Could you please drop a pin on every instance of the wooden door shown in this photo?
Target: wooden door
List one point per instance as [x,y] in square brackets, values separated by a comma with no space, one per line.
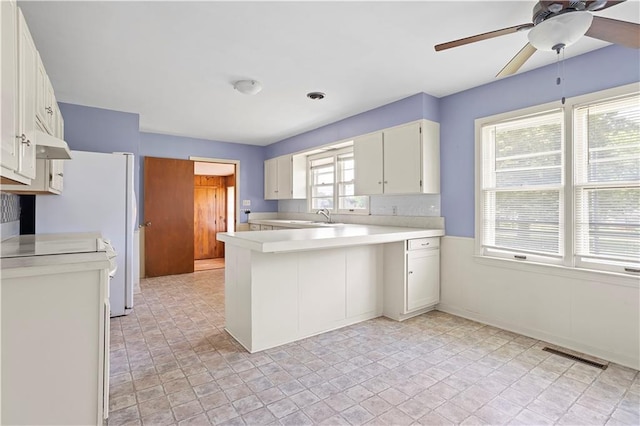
[210,216]
[168,213]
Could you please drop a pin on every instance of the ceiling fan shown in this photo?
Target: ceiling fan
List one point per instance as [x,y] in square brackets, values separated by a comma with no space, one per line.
[557,24]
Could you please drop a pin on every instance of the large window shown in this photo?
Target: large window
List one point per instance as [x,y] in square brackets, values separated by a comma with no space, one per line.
[331,186]
[562,186]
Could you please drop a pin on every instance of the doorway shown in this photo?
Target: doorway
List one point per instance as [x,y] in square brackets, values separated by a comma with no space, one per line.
[214,203]
[168,237]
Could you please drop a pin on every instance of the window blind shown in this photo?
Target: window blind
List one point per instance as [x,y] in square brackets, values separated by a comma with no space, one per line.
[607,182]
[522,185]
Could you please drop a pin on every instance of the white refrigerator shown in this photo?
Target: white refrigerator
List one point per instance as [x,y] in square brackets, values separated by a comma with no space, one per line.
[98,196]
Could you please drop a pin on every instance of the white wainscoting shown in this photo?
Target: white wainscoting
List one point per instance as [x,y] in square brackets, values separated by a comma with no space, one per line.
[588,312]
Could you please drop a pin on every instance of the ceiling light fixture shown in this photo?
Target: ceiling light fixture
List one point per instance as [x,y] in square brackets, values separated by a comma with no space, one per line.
[248,87]
[564,29]
[316,96]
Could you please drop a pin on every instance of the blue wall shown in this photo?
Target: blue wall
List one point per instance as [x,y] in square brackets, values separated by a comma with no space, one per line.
[102,130]
[95,129]
[405,110]
[597,70]
[251,162]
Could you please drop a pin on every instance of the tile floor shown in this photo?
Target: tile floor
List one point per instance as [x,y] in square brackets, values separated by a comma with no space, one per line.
[172,363]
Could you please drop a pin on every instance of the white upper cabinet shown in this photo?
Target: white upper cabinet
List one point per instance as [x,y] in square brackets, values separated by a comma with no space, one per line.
[18,97]
[285,178]
[28,105]
[46,106]
[9,157]
[367,152]
[27,67]
[400,160]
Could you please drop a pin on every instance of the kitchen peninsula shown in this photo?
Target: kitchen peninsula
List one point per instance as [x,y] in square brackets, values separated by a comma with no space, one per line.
[285,285]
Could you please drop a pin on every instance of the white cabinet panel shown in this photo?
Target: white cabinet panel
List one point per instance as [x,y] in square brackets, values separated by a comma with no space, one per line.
[49,179]
[54,335]
[402,160]
[10,144]
[27,67]
[363,279]
[367,151]
[423,279]
[411,277]
[321,289]
[285,178]
[271,179]
[399,160]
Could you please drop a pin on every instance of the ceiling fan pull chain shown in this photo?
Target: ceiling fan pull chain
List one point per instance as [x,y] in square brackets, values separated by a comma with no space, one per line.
[563,76]
[560,68]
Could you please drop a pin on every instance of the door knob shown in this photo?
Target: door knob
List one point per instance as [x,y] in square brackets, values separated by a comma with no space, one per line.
[145,224]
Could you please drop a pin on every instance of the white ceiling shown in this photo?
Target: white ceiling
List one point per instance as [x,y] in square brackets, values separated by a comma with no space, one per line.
[174,62]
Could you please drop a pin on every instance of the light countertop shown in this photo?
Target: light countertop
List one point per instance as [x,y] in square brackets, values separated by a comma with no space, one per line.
[332,236]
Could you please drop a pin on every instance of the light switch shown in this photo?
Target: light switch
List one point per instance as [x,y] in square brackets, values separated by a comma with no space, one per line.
[246,203]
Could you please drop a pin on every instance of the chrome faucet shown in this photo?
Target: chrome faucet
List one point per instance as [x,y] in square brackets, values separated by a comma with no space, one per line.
[326,213]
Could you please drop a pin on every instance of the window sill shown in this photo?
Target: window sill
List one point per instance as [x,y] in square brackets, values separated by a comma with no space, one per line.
[605,277]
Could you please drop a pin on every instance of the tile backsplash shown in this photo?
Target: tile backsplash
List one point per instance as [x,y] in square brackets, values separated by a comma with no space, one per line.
[10,211]
[383,205]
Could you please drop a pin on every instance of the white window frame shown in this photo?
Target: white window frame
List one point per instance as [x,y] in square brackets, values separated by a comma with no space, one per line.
[333,153]
[569,259]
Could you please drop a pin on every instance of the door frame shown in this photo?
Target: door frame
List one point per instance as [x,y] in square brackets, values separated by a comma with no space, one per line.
[236,163]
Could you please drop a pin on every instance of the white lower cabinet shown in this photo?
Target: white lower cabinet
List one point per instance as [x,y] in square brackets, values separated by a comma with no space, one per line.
[411,277]
[55,341]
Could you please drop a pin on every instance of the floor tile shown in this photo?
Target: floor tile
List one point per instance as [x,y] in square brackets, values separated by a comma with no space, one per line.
[173,363]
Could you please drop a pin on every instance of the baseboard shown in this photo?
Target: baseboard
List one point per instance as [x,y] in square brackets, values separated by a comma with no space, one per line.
[541,335]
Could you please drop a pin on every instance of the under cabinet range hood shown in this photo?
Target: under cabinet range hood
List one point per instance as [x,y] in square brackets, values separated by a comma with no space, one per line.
[50,147]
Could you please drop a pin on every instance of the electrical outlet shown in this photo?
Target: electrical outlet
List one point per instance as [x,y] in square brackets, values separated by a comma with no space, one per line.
[394,210]
[246,203]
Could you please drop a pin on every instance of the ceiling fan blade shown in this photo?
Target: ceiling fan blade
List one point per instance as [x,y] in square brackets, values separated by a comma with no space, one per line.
[517,61]
[483,36]
[614,31]
[598,5]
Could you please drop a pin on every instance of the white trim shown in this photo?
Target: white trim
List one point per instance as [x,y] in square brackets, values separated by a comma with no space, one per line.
[333,154]
[567,212]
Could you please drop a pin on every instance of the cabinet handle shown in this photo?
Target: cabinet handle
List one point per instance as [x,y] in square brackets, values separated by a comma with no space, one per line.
[386,181]
[61,174]
[424,244]
[24,140]
[379,182]
[49,110]
[411,272]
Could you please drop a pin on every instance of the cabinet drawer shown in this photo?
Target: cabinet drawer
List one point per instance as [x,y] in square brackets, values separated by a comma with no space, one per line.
[423,243]
[254,227]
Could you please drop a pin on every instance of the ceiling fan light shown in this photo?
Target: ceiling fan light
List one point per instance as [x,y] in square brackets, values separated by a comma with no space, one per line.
[248,87]
[566,29]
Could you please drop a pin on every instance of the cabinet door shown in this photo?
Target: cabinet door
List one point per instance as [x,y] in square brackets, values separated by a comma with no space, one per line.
[367,155]
[402,160]
[423,279]
[42,94]
[10,144]
[56,169]
[59,132]
[285,169]
[271,179]
[27,66]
